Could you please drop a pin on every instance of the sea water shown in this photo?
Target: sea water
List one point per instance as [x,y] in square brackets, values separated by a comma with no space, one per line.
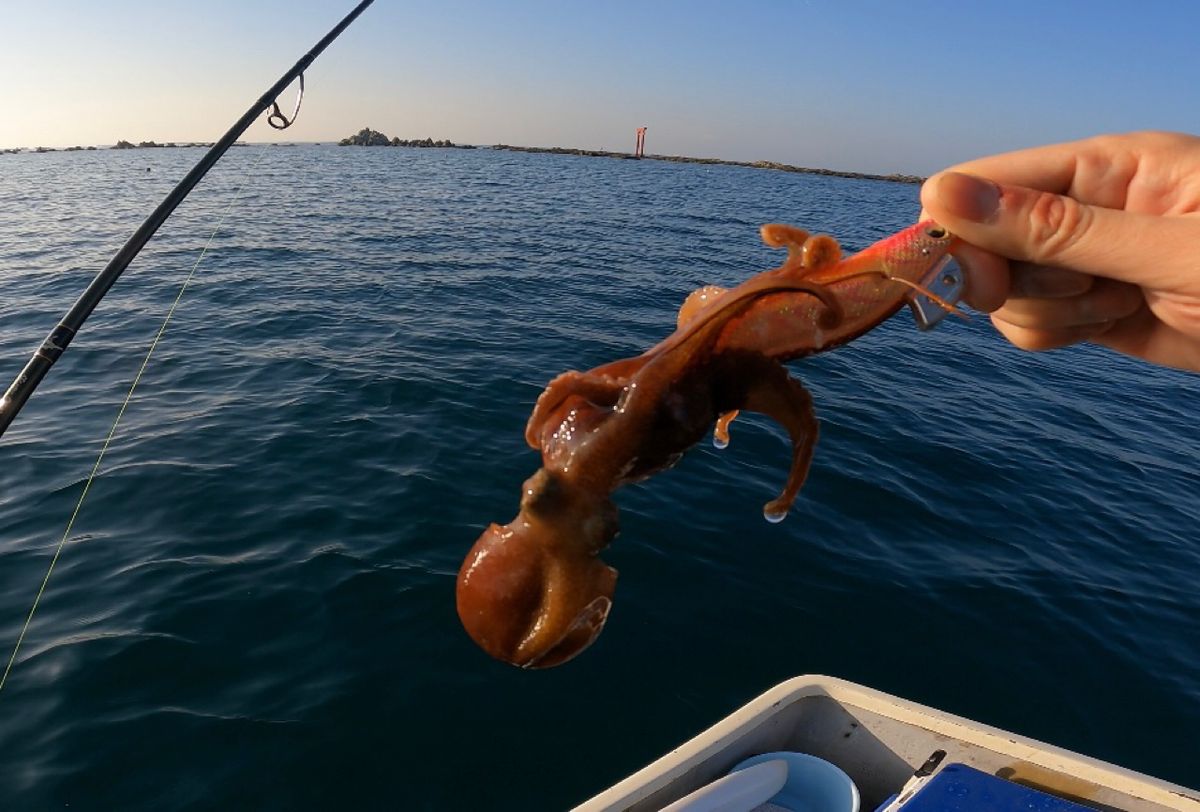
[255,608]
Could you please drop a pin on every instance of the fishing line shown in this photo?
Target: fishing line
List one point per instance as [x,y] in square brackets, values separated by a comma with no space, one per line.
[121,413]
[55,344]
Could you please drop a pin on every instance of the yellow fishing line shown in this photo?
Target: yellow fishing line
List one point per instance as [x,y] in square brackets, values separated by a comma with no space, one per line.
[120,413]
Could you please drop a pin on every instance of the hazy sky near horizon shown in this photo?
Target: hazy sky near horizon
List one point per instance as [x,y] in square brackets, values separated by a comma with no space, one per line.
[871,86]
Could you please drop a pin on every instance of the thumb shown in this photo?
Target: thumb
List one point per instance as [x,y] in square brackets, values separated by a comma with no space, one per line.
[1048,229]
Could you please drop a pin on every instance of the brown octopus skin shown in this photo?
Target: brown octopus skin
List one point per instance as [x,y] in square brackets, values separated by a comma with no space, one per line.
[534,592]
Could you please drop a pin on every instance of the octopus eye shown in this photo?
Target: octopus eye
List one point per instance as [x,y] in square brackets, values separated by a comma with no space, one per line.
[937,232]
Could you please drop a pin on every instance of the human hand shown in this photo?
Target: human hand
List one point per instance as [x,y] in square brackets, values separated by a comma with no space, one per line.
[1095,240]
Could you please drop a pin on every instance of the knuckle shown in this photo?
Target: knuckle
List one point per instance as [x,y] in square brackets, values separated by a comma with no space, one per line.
[1056,225]
[1109,142]
[1149,142]
[1112,142]
[1160,138]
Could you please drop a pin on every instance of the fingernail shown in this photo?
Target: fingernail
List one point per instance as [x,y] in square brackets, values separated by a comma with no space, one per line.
[967,196]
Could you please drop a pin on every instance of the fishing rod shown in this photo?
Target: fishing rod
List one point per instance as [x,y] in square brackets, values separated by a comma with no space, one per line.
[56,343]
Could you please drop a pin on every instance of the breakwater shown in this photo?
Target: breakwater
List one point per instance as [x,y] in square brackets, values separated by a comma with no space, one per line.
[684,159]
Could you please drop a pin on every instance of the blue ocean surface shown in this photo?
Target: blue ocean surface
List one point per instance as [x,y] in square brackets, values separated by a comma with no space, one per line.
[255,608]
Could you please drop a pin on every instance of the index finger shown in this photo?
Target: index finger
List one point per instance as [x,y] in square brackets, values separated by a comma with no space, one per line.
[1150,171]
[1049,168]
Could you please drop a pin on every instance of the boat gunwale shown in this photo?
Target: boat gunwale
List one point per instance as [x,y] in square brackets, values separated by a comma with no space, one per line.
[718,738]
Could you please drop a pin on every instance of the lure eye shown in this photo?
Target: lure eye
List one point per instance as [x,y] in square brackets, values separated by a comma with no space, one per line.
[937,232]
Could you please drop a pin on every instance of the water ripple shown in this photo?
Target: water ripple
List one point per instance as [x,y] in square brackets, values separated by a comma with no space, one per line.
[257,601]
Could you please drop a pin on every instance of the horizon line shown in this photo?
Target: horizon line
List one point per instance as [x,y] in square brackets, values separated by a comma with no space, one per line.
[902,177]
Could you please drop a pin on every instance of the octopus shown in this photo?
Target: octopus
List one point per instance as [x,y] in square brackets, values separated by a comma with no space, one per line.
[535,592]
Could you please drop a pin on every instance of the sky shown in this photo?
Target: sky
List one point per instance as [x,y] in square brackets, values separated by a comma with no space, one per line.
[854,85]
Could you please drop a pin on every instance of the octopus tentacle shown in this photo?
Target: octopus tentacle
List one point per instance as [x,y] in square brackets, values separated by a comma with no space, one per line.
[810,252]
[781,235]
[596,387]
[721,430]
[696,301]
[820,251]
[785,400]
[735,302]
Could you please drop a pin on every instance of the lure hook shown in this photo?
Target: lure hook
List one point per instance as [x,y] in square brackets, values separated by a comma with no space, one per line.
[277,119]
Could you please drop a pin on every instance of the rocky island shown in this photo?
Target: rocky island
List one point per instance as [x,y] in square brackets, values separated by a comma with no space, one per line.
[169,145]
[366,137]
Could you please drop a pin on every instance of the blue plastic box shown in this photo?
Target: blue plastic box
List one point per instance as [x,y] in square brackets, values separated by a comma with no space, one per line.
[959,788]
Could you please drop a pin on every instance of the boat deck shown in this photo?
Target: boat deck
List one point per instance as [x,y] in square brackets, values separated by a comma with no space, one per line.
[879,741]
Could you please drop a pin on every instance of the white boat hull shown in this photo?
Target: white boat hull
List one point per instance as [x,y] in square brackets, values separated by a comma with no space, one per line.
[879,740]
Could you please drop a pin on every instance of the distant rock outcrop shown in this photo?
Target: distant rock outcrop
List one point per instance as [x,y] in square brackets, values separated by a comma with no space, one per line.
[170,144]
[366,137]
[122,144]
